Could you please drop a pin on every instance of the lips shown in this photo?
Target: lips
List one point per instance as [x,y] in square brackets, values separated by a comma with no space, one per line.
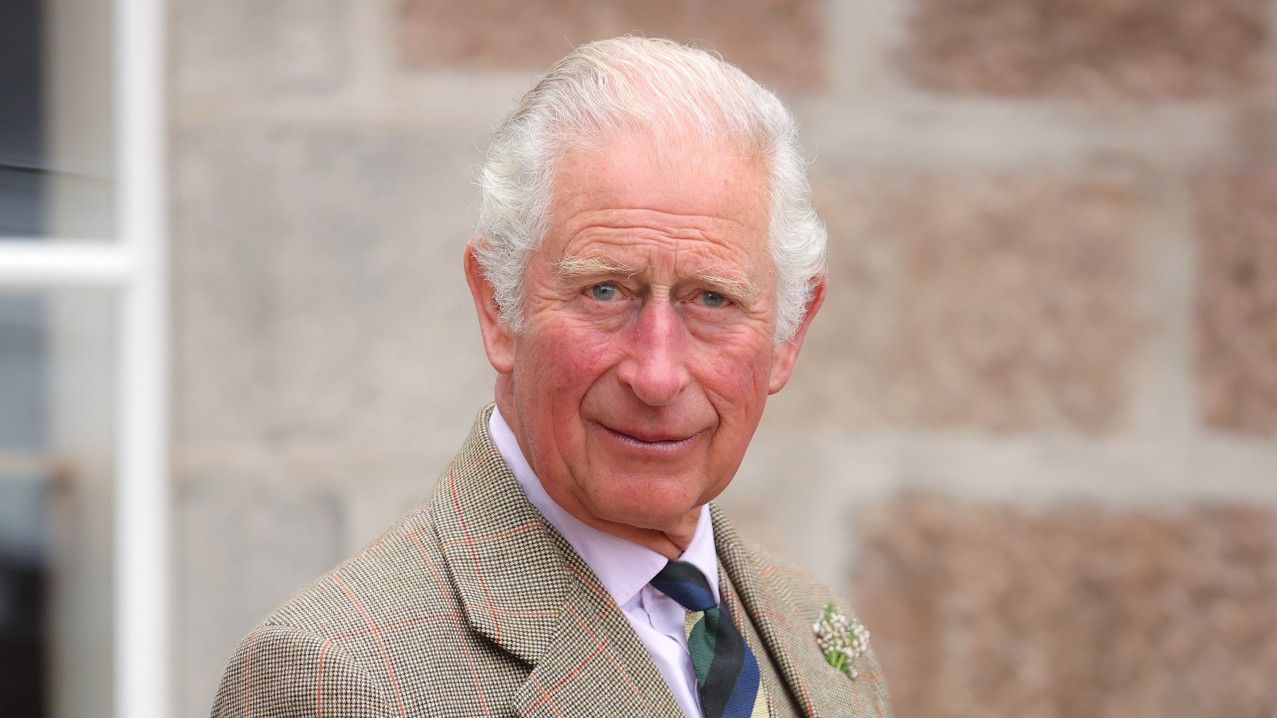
[653,439]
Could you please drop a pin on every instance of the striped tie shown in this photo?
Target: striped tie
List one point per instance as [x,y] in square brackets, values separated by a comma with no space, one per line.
[726,671]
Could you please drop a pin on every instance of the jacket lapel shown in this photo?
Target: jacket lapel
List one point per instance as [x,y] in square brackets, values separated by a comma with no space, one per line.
[595,665]
[523,587]
[786,630]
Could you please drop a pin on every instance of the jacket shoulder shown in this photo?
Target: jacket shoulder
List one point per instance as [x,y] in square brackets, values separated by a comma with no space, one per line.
[286,672]
[377,632]
[398,572]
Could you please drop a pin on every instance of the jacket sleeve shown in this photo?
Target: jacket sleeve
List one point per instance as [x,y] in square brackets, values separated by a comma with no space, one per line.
[282,672]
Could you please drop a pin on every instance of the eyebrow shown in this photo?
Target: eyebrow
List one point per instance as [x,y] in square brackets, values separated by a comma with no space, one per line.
[579,267]
[741,289]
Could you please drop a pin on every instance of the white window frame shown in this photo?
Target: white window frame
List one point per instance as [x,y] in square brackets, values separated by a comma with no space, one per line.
[133,265]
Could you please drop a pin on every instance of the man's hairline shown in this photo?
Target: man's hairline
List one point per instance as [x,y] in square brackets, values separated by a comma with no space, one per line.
[768,165]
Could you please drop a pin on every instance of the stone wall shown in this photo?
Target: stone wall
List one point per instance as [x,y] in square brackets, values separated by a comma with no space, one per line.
[1034,432]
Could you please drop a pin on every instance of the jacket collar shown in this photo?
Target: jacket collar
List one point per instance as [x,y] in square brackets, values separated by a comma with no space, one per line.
[785,625]
[524,588]
[774,613]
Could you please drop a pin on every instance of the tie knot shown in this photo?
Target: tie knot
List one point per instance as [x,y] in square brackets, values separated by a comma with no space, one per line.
[685,583]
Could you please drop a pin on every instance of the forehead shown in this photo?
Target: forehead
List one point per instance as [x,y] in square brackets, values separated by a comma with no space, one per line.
[694,183]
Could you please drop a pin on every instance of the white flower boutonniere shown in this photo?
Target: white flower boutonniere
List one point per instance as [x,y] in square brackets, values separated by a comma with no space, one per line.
[842,639]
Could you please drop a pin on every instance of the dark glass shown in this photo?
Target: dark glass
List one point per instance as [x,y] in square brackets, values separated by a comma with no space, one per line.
[56,120]
[22,156]
[57,403]
[25,572]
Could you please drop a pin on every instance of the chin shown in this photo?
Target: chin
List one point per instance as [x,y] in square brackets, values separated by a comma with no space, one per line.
[645,501]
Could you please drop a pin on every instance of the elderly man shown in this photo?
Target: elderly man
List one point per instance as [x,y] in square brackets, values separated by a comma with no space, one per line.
[646,267]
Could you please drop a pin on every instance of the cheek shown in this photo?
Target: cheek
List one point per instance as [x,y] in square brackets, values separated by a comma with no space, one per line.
[563,359]
[737,381]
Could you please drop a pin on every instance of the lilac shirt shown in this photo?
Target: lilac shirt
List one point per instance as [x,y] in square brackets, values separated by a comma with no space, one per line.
[625,569]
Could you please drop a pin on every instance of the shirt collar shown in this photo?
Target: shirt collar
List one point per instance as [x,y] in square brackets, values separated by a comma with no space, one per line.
[623,567]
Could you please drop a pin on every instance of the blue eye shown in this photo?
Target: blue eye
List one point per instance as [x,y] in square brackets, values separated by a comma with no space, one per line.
[713,300]
[605,292]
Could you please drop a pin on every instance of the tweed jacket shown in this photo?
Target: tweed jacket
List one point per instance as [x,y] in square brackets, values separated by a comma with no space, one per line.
[472,605]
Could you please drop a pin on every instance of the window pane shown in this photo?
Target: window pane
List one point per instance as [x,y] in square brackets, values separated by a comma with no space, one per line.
[57,127]
[57,373]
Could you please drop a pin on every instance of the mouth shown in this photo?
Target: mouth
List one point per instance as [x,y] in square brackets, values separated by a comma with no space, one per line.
[659,441]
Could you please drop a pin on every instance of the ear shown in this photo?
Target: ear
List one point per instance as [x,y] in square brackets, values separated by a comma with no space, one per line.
[498,340]
[785,355]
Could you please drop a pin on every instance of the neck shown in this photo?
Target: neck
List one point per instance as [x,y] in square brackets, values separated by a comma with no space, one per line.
[669,541]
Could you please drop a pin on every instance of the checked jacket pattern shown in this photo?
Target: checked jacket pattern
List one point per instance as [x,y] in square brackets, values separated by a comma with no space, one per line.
[472,605]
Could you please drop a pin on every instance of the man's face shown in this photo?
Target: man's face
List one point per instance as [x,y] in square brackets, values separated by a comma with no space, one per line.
[647,353]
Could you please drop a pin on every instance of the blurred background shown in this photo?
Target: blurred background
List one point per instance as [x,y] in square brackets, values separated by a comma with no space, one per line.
[1033,434]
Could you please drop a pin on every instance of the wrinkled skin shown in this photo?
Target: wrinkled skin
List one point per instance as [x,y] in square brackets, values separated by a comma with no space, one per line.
[646,356]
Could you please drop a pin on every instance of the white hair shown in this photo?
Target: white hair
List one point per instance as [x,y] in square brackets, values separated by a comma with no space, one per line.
[631,83]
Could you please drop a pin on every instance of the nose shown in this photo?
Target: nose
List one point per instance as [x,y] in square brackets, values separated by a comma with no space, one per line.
[655,369]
